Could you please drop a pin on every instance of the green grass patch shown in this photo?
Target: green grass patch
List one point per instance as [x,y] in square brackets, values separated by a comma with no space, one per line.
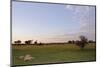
[54,53]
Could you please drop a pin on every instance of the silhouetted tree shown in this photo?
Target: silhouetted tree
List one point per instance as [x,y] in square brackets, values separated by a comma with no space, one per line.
[69,41]
[40,43]
[35,42]
[17,42]
[91,41]
[28,42]
[83,41]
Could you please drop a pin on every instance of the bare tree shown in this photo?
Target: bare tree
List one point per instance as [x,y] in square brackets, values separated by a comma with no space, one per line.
[83,41]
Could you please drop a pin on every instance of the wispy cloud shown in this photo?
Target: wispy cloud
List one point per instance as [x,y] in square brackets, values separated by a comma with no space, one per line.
[85,16]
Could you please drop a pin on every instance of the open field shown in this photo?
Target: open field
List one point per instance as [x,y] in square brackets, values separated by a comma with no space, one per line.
[54,53]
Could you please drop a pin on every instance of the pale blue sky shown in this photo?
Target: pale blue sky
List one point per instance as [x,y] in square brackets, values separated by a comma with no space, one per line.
[52,22]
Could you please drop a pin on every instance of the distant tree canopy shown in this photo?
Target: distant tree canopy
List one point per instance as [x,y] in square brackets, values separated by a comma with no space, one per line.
[83,41]
[91,41]
[17,42]
[28,42]
[71,42]
[35,42]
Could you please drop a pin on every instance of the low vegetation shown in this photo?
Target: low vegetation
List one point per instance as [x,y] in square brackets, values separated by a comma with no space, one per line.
[53,53]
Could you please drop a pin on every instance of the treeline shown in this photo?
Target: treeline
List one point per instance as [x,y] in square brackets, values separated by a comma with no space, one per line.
[30,42]
[74,41]
[27,42]
[81,43]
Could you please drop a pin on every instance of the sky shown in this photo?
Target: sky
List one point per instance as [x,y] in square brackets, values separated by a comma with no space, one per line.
[52,22]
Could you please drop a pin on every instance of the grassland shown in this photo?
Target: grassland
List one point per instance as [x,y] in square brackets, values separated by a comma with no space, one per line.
[54,53]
